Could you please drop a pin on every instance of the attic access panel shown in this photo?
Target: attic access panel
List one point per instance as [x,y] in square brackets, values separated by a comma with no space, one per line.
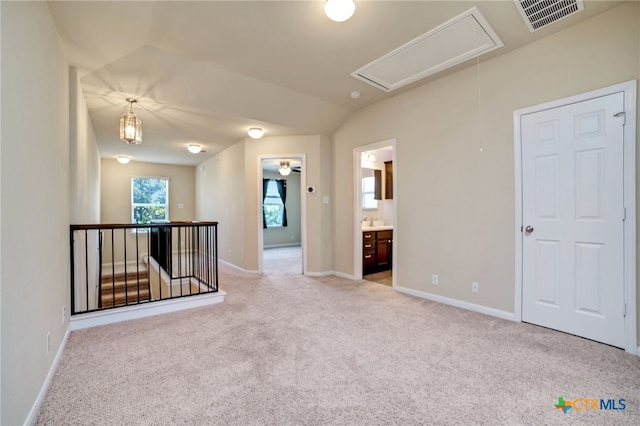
[464,37]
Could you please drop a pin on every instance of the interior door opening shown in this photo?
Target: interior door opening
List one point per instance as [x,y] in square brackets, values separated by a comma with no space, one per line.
[281,223]
[375,225]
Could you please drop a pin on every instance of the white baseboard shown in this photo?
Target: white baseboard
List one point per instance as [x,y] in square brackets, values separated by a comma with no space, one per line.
[319,274]
[35,409]
[110,316]
[343,275]
[457,303]
[237,268]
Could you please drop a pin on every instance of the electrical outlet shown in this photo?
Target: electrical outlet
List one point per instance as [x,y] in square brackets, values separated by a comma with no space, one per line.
[434,279]
[64,314]
[48,341]
[475,287]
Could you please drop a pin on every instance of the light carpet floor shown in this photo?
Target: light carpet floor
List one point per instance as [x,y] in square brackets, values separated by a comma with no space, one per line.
[285,349]
[282,260]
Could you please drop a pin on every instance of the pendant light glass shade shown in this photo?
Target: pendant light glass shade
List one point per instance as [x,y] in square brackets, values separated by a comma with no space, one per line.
[130,126]
[285,168]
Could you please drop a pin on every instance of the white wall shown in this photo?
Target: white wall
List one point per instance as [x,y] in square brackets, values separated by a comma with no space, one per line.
[84,157]
[116,200]
[220,192]
[290,234]
[116,189]
[456,204]
[227,192]
[35,202]
[84,186]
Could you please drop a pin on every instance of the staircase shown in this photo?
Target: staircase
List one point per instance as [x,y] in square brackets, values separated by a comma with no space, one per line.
[124,289]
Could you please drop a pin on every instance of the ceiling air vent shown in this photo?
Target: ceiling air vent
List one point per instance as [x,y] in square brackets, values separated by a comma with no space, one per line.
[464,37]
[540,13]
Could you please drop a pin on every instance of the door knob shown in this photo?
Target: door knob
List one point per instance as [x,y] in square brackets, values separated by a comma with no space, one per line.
[529,229]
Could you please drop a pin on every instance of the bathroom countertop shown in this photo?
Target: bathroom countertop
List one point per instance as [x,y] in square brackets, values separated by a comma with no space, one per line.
[377,228]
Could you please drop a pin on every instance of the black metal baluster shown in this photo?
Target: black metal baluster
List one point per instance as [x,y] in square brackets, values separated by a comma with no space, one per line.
[113,269]
[73,270]
[86,268]
[126,281]
[137,265]
[99,268]
[215,251]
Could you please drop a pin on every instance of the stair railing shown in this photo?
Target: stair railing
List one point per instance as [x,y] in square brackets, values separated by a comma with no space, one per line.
[116,265]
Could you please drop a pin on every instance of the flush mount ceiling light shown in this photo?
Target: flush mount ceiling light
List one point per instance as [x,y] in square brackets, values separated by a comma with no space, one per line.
[194,149]
[285,168]
[339,10]
[123,159]
[130,125]
[255,132]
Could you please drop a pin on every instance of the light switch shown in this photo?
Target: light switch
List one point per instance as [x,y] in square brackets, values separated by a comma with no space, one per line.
[325,200]
[180,205]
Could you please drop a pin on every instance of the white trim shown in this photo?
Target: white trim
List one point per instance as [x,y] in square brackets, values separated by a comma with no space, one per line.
[303,206]
[457,303]
[346,276]
[111,316]
[320,274]
[237,268]
[357,203]
[35,408]
[629,90]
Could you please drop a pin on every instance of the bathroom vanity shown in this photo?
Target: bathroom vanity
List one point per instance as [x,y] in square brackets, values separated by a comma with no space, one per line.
[376,249]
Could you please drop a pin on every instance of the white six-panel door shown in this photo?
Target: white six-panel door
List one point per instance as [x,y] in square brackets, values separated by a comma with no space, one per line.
[573,213]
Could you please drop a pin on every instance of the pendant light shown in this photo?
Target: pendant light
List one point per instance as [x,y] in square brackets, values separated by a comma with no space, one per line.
[285,168]
[130,125]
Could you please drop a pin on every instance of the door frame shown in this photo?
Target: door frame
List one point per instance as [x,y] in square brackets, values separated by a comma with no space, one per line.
[357,202]
[303,207]
[629,224]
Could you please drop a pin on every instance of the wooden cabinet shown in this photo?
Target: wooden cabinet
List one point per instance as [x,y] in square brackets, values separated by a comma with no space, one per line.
[376,251]
[388,180]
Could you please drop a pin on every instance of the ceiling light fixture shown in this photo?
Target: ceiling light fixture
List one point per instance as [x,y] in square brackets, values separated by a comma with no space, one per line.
[130,125]
[255,132]
[194,148]
[123,159]
[285,168]
[339,10]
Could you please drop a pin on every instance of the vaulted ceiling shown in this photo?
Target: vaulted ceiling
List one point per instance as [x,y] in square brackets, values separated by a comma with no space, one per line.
[204,72]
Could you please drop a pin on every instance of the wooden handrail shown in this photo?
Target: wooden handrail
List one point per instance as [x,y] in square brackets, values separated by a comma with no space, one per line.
[140,225]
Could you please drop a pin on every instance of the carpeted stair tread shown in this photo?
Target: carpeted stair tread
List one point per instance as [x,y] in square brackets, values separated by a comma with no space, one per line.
[126,289]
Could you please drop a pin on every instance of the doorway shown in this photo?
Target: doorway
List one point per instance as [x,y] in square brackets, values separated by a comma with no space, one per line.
[282,218]
[375,204]
[575,160]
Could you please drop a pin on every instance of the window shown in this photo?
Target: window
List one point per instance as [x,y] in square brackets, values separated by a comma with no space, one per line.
[273,206]
[149,199]
[369,192]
